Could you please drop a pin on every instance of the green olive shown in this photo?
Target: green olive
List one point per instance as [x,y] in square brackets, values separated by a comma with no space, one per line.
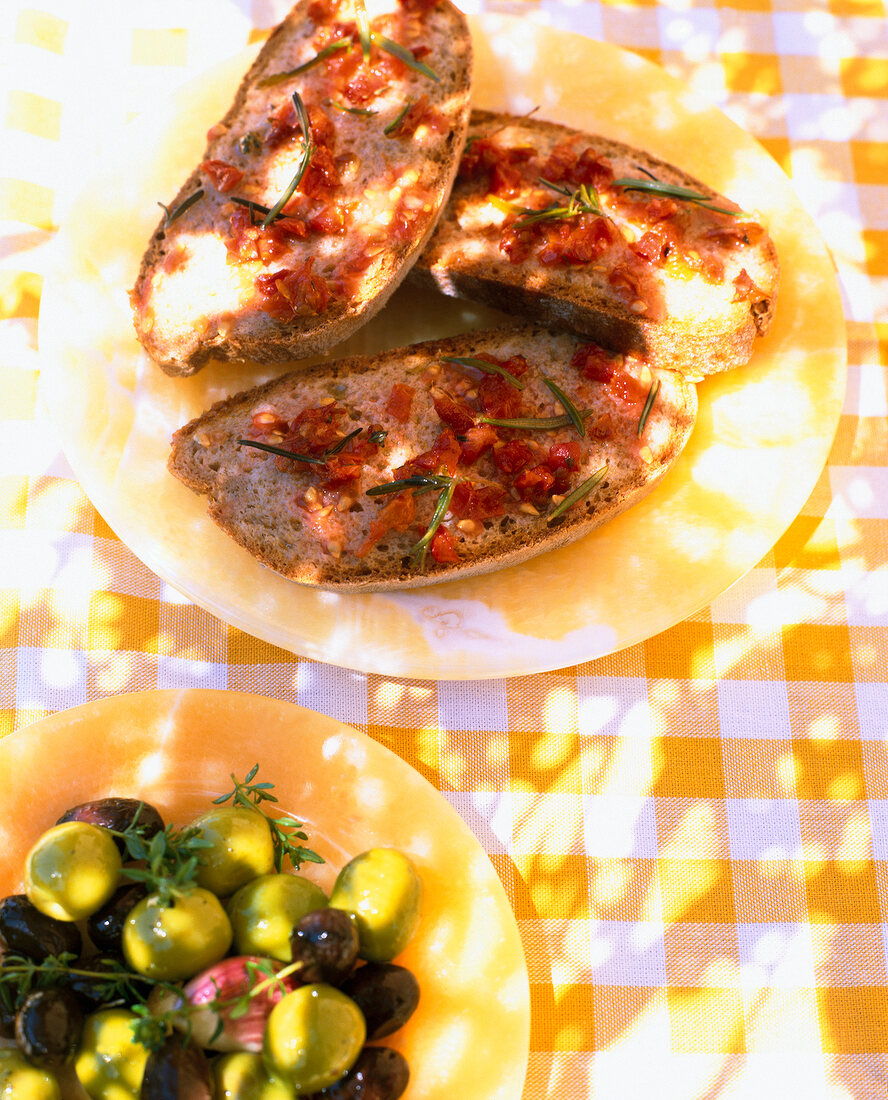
[264,911]
[19,1080]
[174,941]
[243,1075]
[110,1063]
[313,1036]
[72,870]
[240,848]
[382,892]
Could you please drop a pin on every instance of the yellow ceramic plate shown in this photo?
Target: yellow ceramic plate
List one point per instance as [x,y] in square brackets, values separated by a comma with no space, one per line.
[177,749]
[762,435]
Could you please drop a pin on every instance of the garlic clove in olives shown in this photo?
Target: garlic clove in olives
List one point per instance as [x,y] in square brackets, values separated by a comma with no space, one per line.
[314,1035]
[72,870]
[241,848]
[173,940]
[110,1063]
[264,911]
[382,892]
[19,1080]
[244,1076]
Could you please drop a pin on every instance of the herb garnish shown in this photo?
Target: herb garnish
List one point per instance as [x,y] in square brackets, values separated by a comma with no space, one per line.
[582,201]
[171,859]
[582,490]
[250,143]
[569,407]
[403,54]
[395,124]
[363,112]
[363,21]
[488,368]
[420,550]
[322,55]
[538,423]
[318,460]
[184,205]
[648,405]
[423,482]
[307,151]
[670,190]
[283,829]
[254,207]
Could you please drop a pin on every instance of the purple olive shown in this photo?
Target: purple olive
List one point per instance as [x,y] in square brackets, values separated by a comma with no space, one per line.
[326,943]
[177,1071]
[386,994]
[380,1073]
[26,931]
[117,814]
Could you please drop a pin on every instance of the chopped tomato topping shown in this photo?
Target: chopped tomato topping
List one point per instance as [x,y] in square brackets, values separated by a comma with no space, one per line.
[314,430]
[417,7]
[481,154]
[651,246]
[329,220]
[400,401]
[442,457]
[628,391]
[321,177]
[322,11]
[626,281]
[246,241]
[443,547]
[560,163]
[603,427]
[512,456]
[745,288]
[517,242]
[478,440]
[592,169]
[564,456]
[223,176]
[535,484]
[734,234]
[499,398]
[578,241]
[290,293]
[480,503]
[453,413]
[505,179]
[175,258]
[594,363]
[396,515]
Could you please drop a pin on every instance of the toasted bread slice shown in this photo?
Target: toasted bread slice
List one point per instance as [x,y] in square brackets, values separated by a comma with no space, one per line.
[418,424]
[654,273]
[227,274]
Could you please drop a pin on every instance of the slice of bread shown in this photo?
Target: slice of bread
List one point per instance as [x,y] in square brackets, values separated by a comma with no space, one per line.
[386,134]
[417,414]
[687,286]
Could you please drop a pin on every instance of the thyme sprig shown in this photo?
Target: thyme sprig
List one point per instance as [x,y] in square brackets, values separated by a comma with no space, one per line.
[673,191]
[304,160]
[184,205]
[284,829]
[488,368]
[171,859]
[581,491]
[21,976]
[648,405]
[569,407]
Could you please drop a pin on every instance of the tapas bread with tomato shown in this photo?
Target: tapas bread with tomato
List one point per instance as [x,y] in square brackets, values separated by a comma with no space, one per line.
[590,235]
[317,190]
[437,461]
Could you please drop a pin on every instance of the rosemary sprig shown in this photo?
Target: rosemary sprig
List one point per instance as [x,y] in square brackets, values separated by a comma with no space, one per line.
[403,54]
[488,368]
[569,407]
[284,829]
[270,447]
[648,405]
[322,55]
[184,205]
[423,482]
[420,551]
[307,151]
[672,191]
[363,22]
[584,200]
[253,207]
[346,439]
[581,201]
[582,490]
[363,112]
[395,124]
[535,423]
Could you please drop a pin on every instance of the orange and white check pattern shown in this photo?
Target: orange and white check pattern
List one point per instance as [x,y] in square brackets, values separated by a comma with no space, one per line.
[693,832]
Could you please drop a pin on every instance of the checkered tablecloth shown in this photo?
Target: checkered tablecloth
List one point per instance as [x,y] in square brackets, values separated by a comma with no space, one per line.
[693,832]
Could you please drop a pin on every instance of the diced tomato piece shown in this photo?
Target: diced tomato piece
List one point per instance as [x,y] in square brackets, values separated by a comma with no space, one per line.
[223,176]
[396,515]
[246,241]
[734,234]
[329,220]
[505,180]
[589,239]
[321,11]
[534,484]
[292,226]
[482,503]
[481,154]
[417,7]
[517,242]
[560,163]
[564,456]
[498,397]
[364,86]
[592,169]
[441,458]
[652,246]
[627,282]
[314,430]
[479,439]
[628,391]
[400,401]
[512,456]
[453,413]
[594,363]
[443,547]
[603,428]
[745,288]
[290,293]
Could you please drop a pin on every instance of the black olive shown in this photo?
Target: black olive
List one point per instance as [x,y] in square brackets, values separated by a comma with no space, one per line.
[48,1026]
[380,1073]
[105,926]
[326,943]
[117,814]
[177,1071]
[386,994]
[27,931]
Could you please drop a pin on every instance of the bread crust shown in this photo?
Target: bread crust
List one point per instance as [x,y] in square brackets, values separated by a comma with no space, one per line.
[277,508]
[692,324]
[205,306]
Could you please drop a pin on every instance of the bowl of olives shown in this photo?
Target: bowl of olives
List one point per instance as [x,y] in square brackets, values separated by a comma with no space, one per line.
[227,896]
